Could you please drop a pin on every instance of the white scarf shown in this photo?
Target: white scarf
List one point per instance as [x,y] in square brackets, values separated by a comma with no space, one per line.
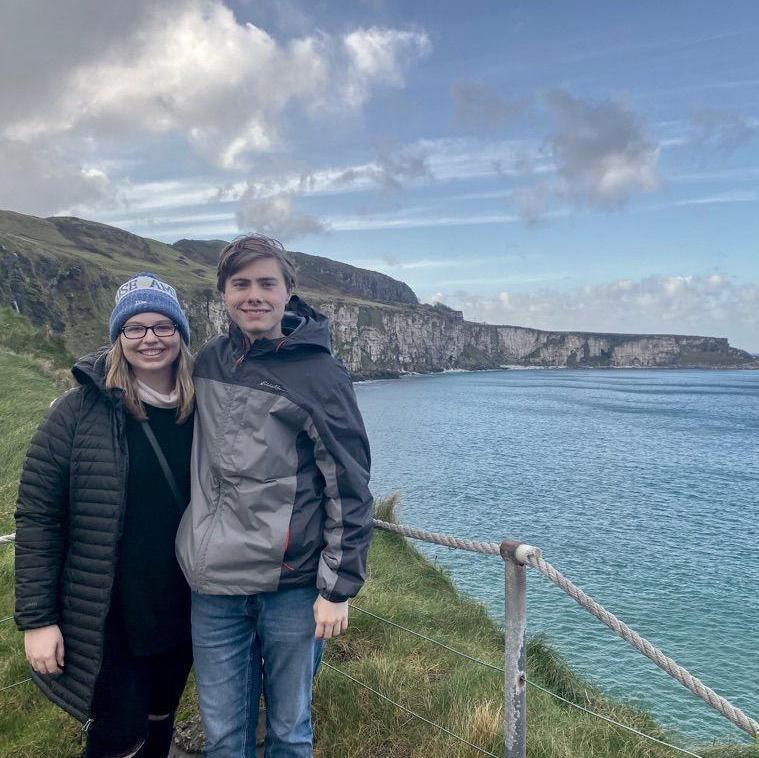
[157,399]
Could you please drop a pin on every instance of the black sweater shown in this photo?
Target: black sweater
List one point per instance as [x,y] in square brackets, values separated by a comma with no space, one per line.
[151,599]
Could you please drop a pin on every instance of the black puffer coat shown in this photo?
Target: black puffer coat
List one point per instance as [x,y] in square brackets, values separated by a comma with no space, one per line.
[68,523]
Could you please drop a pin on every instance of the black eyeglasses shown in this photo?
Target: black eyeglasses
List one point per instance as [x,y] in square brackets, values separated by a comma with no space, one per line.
[138,331]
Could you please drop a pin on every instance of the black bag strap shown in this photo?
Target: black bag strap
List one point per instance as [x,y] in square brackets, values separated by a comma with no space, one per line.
[167,472]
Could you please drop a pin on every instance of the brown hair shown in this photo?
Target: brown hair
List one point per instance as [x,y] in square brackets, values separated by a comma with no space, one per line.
[119,374]
[252,247]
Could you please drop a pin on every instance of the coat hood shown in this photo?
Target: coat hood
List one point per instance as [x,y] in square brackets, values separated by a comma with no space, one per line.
[90,369]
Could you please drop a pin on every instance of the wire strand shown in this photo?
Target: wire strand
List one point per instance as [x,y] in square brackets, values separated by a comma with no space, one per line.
[429,639]
[11,686]
[410,712]
[612,721]
[529,681]
[7,618]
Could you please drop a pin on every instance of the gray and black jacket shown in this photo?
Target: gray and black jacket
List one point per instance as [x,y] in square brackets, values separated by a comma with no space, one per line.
[280,467]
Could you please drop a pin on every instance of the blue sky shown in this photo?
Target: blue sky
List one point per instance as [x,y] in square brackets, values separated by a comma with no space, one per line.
[563,165]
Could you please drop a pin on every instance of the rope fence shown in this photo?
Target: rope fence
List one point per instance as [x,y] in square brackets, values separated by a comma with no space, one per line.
[664,662]
[537,686]
[530,556]
[437,538]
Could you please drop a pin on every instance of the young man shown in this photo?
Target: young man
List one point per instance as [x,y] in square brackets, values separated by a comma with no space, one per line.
[274,542]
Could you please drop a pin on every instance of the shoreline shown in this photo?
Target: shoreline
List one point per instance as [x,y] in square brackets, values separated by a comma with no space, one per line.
[391,375]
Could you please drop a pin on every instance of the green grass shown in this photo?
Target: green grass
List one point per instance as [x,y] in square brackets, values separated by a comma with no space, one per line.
[30,726]
[46,351]
[350,722]
[449,690]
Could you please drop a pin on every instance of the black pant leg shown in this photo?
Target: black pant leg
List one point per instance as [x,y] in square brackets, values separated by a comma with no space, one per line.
[168,674]
[121,700]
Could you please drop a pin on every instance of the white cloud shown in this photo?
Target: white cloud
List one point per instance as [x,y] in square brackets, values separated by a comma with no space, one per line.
[710,305]
[405,221]
[275,216]
[597,157]
[734,196]
[389,264]
[43,42]
[601,151]
[222,84]
[421,162]
[186,68]
[39,179]
[721,131]
[394,167]
[379,55]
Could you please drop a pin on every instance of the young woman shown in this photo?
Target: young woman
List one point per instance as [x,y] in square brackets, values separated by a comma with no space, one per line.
[99,595]
[275,539]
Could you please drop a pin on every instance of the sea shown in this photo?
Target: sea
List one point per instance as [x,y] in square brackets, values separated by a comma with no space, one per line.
[641,486]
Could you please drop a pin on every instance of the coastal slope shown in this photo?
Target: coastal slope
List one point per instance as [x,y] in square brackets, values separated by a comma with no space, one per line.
[350,721]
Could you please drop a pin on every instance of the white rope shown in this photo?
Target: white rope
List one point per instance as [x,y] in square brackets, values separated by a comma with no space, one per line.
[695,685]
[7,537]
[487,548]
[533,558]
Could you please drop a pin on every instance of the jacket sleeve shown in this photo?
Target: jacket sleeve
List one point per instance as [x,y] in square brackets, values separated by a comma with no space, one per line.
[41,513]
[343,458]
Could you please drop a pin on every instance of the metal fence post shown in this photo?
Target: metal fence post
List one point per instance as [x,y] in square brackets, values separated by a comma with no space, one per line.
[514,555]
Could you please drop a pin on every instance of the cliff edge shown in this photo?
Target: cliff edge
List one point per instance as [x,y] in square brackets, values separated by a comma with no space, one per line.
[62,272]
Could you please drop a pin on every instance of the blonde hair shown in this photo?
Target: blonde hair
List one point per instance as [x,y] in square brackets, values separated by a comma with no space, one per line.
[119,374]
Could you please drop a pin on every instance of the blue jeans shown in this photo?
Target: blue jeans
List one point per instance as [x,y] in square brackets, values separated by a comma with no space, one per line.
[242,641]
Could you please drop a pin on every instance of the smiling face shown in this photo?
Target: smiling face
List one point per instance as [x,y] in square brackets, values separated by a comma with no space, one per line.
[255,298]
[150,355]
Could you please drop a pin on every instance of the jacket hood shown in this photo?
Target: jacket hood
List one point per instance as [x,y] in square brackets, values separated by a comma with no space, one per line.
[302,326]
[90,369]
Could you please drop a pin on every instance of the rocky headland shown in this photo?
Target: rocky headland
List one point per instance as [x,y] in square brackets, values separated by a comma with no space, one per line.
[61,273]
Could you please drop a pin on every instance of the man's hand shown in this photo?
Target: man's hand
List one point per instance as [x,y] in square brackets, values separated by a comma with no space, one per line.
[331,618]
[44,649]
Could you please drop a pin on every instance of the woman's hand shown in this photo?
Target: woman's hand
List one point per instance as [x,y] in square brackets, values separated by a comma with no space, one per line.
[44,649]
[331,618]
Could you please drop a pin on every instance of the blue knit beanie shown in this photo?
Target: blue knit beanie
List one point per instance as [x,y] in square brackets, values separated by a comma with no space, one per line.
[146,293]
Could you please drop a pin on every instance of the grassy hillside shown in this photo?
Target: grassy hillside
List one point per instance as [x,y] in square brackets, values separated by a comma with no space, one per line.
[63,272]
[350,721]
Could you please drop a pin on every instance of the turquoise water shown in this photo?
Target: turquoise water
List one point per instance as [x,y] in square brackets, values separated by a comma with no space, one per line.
[640,486]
